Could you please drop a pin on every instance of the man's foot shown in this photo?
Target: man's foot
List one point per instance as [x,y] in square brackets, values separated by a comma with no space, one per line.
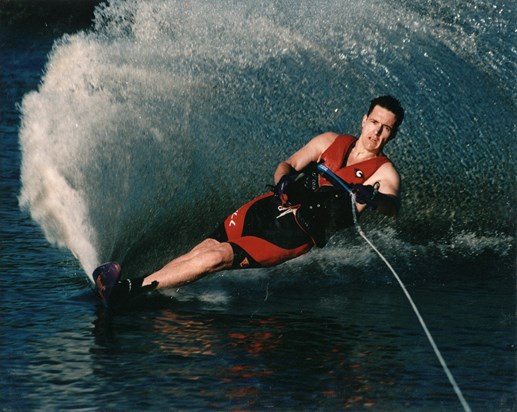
[115,292]
[107,277]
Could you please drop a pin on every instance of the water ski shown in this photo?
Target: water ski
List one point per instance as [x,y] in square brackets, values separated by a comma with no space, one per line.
[114,292]
[106,277]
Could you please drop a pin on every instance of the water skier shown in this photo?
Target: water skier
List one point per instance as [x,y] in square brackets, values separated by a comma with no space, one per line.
[301,211]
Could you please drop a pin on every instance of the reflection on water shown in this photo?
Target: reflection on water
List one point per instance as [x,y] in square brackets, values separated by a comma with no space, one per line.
[282,360]
[316,344]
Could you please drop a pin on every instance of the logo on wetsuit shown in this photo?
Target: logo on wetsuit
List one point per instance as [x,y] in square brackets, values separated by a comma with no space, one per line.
[232,222]
[359,173]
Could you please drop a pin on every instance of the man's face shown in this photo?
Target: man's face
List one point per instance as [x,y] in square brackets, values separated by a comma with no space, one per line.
[377,128]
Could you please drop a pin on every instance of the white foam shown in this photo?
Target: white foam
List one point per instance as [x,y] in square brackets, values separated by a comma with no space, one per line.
[160,115]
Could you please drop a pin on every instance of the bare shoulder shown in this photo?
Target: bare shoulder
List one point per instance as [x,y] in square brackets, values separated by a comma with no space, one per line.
[388,169]
[388,178]
[323,141]
[320,143]
[312,151]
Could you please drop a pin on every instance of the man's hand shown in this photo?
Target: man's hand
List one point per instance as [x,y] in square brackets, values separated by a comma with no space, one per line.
[289,191]
[366,194]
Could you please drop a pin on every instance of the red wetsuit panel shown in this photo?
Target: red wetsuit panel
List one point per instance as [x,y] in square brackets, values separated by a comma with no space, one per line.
[336,155]
[266,253]
[267,235]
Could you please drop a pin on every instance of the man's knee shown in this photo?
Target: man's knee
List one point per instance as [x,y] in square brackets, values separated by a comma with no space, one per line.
[219,257]
[203,247]
[209,242]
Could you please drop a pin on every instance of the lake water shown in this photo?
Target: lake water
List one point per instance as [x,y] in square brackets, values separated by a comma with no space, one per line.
[130,136]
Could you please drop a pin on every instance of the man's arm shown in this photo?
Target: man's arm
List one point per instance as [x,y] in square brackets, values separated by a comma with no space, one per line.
[388,197]
[311,152]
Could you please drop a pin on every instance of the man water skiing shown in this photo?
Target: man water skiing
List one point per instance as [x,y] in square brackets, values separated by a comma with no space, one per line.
[302,210]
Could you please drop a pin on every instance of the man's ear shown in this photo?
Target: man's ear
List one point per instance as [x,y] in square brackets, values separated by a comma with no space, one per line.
[365,117]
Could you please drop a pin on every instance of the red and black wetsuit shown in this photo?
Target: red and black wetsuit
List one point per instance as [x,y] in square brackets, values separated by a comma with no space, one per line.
[262,233]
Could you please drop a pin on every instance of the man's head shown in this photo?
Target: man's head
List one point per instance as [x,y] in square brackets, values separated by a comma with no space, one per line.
[393,105]
[381,123]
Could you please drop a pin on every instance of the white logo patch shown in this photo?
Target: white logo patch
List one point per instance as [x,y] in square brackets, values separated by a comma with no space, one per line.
[232,222]
[359,174]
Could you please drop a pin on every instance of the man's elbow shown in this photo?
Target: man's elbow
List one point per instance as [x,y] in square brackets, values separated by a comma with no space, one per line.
[389,205]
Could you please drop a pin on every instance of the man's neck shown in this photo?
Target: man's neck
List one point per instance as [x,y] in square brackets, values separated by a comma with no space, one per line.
[359,153]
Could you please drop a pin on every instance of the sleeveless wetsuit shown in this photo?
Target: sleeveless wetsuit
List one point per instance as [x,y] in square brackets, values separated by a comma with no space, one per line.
[336,156]
[262,233]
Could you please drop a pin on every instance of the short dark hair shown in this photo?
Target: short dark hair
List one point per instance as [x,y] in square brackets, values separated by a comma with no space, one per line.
[389,103]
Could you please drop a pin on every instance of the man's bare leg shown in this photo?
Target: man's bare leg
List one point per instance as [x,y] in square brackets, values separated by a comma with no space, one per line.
[208,257]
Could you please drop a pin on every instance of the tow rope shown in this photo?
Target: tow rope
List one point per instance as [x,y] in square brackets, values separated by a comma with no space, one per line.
[338,182]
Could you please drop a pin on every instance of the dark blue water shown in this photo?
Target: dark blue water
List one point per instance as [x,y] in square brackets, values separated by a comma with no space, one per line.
[131,139]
